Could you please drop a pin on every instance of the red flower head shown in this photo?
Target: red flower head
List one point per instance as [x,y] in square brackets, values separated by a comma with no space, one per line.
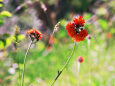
[34,34]
[71,29]
[80,37]
[80,59]
[51,41]
[75,30]
[79,21]
[109,35]
[0,80]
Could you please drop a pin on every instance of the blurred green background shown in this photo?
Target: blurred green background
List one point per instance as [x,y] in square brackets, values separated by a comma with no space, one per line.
[46,58]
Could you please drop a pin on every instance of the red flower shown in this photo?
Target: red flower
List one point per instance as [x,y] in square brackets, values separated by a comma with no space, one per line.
[51,41]
[80,37]
[75,30]
[80,59]
[34,34]
[109,35]
[71,29]
[79,21]
[0,80]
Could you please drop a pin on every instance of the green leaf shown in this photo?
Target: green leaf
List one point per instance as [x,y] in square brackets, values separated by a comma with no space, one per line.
[3,41]
[1,22]
[21,37]
[1,45]
[5,14]
[5,35]
[8,41]
[63,22]
[21,66]
[1,5]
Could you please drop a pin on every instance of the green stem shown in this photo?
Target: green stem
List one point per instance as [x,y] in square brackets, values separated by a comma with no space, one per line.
[59,72]
[22,84]
[19,70]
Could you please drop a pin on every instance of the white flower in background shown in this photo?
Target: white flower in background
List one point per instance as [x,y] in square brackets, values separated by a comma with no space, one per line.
[30,85]
[15,65]
[11,70]
[39,80]
[43,6]
[111,68]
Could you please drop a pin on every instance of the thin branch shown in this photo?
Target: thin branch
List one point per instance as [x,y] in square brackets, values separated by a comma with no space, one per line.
[59,72]
[22,84]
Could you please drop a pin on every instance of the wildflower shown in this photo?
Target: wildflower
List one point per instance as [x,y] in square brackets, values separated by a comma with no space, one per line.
[39,80]
[34,34]
[80,37]
[17,30]
[15,65]
[0,80]
[43,6]
[11,70]
[50,43]
[80,59]
[109,35]
[75,30]
[88,37]
[88,40]
[51,40]
[56,27]
[71,29]
[18,8]
[79,21]
[30,85]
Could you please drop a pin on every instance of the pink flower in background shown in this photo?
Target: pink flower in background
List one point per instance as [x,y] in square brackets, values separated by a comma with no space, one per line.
[80,59]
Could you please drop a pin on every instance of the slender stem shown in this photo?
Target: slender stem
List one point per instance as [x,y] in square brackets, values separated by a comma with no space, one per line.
[78,83]
[90,64]
[59,72]
[22,84]
[19,70]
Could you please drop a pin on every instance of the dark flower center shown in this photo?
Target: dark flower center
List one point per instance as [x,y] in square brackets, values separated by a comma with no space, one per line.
[77,28]
[34,36]
[80,60]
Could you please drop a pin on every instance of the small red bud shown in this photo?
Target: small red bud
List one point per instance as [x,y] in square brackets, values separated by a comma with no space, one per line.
[80,59]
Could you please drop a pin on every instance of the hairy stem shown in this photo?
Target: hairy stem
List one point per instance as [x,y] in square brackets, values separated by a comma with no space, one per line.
[22,84]
[19,70]
[78,70]
[59,72]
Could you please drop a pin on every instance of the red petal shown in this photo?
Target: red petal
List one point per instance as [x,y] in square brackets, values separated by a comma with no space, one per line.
[71,29]
[80,37]
[79,21]
[30,31]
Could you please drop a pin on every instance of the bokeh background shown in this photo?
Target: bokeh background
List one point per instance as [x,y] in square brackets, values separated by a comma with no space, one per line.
[49,55]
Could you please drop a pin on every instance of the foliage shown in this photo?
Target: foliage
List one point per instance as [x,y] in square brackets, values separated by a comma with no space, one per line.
[42,62]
